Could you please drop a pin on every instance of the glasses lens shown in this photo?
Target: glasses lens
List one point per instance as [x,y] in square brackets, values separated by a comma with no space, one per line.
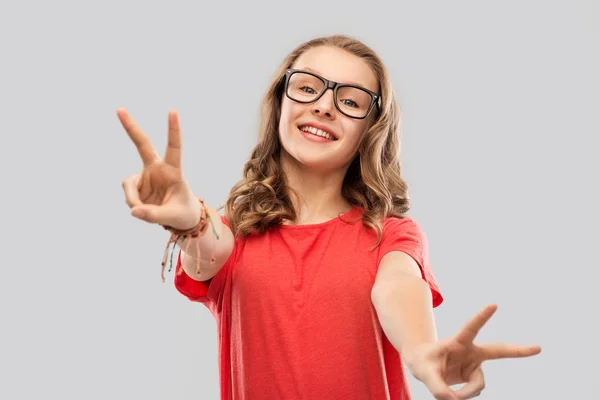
[353,101]
[304,87]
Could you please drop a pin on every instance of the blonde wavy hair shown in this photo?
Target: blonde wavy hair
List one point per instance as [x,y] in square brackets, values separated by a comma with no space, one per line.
[373,182]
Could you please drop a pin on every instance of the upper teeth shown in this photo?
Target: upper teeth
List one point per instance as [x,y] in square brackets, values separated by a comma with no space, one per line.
[317,132]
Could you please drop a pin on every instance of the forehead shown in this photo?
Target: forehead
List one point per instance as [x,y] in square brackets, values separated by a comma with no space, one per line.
[338,65]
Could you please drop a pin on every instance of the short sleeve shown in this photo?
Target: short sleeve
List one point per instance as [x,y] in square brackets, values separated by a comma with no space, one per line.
[207,292]
[405,235]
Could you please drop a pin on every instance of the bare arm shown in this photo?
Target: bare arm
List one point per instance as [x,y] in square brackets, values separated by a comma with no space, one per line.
[160,195]
[209,246]
[404,307]
[403,303]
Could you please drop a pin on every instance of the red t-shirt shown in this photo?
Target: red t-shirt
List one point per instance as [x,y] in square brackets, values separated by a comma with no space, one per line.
[294,313]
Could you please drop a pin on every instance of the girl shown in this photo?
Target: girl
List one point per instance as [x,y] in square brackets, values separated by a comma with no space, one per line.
[317,279]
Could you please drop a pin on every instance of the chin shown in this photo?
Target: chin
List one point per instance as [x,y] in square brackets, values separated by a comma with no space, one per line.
[316,165]
[319,163]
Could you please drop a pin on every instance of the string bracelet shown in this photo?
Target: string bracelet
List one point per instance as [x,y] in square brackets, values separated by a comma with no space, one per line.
[179,237]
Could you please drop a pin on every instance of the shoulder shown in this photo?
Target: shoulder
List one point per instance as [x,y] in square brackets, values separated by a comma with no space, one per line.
[390,223]
[402,232]
[390,228]
[405,225]
[400,223]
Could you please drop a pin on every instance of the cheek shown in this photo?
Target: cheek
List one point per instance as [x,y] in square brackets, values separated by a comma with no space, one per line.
[355,132]
[287,117]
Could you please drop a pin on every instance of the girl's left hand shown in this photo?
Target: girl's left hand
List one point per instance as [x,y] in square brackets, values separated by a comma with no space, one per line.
[458,360]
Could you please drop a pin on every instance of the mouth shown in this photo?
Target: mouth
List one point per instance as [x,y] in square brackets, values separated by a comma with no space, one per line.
[318,131]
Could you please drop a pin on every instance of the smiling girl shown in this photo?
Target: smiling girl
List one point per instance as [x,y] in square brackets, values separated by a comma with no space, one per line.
[319,283]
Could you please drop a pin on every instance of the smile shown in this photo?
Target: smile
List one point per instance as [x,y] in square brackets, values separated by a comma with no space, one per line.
[317,132]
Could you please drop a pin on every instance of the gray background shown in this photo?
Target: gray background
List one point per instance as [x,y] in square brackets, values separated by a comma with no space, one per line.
[500,129]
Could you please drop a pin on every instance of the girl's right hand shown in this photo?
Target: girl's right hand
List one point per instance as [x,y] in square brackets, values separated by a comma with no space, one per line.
[159,194]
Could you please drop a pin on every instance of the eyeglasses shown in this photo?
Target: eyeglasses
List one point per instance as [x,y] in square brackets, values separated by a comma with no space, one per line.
[351,100]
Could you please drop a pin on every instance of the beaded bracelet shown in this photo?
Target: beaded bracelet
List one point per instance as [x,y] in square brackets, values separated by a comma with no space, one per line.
[179,237]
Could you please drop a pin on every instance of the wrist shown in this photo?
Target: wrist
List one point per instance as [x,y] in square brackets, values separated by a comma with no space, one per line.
[194,223]
[415,355]
[196,205]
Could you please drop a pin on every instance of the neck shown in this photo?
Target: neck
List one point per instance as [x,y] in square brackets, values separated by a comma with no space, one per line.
[315,195]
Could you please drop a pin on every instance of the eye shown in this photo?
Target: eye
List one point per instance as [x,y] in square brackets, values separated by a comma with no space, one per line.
[307,89]
[349,103]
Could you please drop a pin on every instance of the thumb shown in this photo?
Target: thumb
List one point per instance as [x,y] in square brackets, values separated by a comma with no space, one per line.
[151,213]
[439,388]
[171,215]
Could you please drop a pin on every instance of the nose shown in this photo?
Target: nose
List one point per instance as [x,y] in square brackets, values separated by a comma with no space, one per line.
[325,105]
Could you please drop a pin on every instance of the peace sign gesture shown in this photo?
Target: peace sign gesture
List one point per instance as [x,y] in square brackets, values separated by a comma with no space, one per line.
[159,194]
[458,360]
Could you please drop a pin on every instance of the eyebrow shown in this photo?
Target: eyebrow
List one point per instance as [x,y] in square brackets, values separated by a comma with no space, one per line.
[346,82]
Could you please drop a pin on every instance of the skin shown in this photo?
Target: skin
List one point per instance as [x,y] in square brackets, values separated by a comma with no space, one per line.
[159,194]
[316,170]
[402,299]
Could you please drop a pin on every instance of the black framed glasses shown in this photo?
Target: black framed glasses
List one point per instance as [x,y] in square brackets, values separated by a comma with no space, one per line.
[351,100]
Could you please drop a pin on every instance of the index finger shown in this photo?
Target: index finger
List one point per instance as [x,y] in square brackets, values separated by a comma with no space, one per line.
[141,141]
[495,351]
[173,152]
[471,329]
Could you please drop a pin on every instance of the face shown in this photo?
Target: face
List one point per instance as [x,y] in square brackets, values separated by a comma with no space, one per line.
[317,135]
